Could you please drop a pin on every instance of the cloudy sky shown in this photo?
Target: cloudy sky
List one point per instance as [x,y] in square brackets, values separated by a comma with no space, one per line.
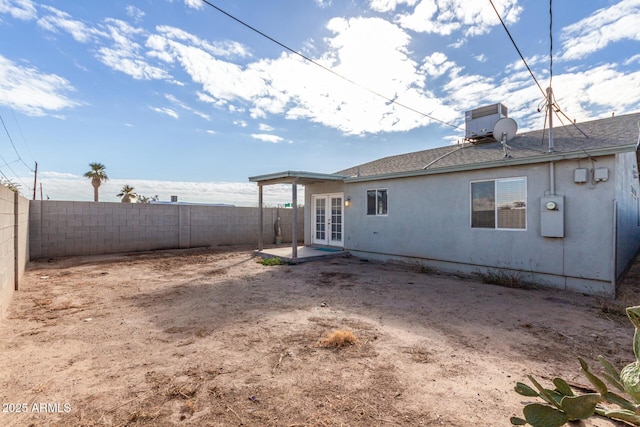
[177,98]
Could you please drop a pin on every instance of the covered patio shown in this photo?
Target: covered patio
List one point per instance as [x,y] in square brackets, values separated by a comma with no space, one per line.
[295,253]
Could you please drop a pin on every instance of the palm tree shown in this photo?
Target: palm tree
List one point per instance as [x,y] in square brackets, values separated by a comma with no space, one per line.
[127,194]
[97,175]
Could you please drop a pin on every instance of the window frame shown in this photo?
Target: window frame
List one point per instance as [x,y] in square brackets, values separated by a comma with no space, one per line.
[386,199]
[496,209]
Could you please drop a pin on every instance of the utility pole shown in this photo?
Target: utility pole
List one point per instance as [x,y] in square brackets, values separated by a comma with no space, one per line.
[35,179]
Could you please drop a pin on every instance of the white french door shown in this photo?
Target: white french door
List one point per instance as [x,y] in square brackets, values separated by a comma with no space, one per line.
[328,224]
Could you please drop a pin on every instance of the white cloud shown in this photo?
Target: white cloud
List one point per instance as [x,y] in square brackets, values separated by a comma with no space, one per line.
[597,89]
[608,25]
[135,13]
[632,59]
[375,53]
[166,34]
[19,9]
[194,4]
[580,93]
[470,16]
[372,52]
[58,20]
[168,111]
[481,58]
[518,65]
[31,91]
[389,5]
[125,54]
[438,64]
[58,175]
[203,97]
[186,107]
[220,79]
[323,3]
[266,137]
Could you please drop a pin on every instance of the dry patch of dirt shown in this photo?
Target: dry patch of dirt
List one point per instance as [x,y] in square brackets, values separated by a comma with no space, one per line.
[212,338]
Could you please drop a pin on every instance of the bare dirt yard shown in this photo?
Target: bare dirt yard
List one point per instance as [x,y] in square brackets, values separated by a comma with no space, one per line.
[213,338]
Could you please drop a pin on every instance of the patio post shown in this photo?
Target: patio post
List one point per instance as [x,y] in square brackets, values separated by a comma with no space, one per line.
[294,232]
[260,220]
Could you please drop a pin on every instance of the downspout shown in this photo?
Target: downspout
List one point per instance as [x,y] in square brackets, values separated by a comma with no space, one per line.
[614,256]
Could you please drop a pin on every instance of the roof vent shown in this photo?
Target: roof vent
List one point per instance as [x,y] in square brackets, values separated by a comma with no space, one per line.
[479,122]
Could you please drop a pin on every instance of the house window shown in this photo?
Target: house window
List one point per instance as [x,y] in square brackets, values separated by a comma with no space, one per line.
[500,203]
[377,202]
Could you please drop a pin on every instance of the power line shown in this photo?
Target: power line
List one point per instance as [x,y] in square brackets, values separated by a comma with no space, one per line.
[24,140]
[306,58]
[557,108]
[7,164]
[14,172]
[12,144]
[544,94]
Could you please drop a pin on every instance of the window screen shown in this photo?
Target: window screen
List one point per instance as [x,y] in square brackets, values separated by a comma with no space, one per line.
[501,203]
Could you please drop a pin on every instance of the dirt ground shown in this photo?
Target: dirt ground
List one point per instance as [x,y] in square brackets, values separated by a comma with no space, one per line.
[213,338]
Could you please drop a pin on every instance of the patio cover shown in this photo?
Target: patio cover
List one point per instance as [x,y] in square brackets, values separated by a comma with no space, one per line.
[294,178]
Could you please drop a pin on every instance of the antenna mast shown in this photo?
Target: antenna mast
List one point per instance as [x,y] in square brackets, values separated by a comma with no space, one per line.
[550,112]
[552,166]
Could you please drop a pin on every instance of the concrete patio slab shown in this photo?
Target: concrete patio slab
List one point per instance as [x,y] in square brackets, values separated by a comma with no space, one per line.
[305,253]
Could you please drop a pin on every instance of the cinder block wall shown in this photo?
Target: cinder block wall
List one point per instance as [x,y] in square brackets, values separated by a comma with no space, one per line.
[21,237]
[58,228]
[14,212]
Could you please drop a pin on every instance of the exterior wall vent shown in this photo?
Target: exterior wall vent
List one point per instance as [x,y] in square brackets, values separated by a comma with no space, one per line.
[479,122]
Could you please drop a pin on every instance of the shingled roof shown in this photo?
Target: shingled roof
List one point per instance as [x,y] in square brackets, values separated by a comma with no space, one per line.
[603,137]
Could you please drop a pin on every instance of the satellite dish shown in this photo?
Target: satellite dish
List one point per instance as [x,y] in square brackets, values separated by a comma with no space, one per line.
[505,125]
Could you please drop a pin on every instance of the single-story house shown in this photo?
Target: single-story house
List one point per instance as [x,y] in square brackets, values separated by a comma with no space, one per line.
[565,215]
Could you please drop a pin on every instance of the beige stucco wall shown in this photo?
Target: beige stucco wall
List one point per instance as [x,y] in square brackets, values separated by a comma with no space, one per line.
[14,211]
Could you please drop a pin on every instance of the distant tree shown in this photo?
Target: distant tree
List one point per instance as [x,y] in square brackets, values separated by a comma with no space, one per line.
[10,185]
[147,199]
[97,175]
[126,194]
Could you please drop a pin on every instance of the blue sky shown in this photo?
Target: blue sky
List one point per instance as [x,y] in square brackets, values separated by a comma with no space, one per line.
[175,98]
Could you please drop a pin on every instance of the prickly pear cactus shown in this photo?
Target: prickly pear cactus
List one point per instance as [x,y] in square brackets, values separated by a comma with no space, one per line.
[630,374]
[562,405]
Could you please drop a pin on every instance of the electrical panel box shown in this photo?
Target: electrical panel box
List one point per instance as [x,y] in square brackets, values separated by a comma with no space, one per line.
[580,176]
[552,216]
[601,174]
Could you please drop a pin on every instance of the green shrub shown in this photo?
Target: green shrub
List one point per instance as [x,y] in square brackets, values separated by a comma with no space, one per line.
[562,404]
[271,261]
